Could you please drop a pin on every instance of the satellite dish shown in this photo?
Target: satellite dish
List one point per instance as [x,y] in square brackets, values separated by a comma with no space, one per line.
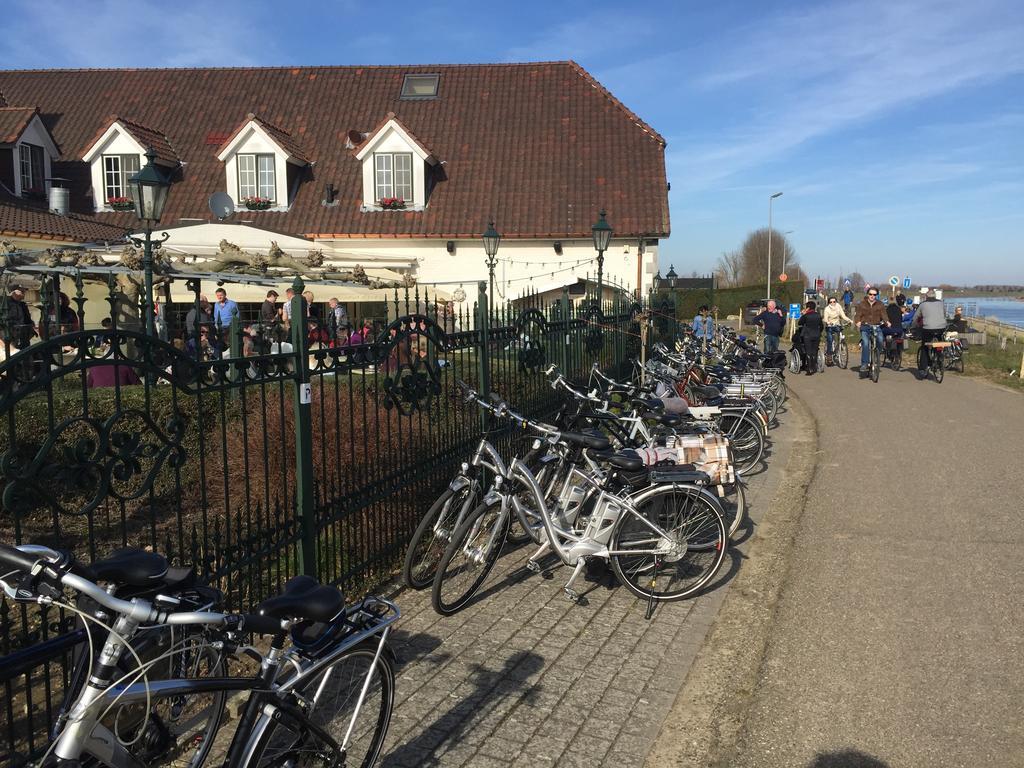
[221,205]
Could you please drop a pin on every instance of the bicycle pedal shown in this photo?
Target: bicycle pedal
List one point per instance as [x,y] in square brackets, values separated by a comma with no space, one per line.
[533,566]
[571,594]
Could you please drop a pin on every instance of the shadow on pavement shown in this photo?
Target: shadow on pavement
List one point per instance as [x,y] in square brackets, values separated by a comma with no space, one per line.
[490,687]
[848,758]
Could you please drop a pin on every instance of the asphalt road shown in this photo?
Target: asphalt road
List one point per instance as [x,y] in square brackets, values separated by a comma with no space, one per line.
[898,638]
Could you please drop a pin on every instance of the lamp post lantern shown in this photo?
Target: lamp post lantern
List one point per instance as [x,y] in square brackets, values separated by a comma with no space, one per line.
[491,242]
[768,289]
[148,189]
[602,232]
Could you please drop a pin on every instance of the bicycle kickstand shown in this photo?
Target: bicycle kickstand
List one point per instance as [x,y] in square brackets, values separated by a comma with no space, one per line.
[571,593]
[533,564]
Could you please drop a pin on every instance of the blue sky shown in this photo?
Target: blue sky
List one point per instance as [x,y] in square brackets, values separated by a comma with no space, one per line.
[894,128]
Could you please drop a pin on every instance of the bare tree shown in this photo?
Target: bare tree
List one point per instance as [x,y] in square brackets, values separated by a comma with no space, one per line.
[856,280]
[728,269]
[754,257]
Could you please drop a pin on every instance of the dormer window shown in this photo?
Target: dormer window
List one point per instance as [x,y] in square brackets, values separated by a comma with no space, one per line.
[393,175]
[256,176]
[31,165]
[117,169]
[262,162]
[116,155]
[396,167]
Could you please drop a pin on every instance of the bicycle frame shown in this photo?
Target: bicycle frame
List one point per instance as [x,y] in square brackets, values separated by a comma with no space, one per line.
[84,734]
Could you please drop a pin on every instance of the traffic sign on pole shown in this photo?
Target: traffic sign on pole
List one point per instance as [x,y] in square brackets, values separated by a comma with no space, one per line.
[906,283]
[894,281]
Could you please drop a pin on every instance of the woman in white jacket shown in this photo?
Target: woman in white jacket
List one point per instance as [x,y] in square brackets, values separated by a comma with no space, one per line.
[833,317]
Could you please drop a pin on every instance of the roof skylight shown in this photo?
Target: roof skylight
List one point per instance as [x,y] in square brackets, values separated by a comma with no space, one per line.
[420,86]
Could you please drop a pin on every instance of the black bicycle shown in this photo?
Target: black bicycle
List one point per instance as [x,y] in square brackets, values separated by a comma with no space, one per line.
[931,358]
[874,353]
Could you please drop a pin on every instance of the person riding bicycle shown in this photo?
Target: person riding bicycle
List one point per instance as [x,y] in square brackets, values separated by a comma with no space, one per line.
[931,318]
[894,311]
[870,318]
[833,317]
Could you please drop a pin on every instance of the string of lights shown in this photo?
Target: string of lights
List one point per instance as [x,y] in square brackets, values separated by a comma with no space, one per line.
[544,262]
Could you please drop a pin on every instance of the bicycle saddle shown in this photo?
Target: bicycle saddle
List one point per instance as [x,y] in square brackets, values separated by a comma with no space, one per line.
[587,441]
[304,598]
[133,568]
[627,459]
[706,392]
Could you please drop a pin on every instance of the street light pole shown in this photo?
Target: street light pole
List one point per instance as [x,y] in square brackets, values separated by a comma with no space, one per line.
[768,290]
[787,232]
[148,189]
[491,240]
[602,234]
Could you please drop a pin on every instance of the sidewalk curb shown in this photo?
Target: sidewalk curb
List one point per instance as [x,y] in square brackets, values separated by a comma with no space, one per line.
[702,727]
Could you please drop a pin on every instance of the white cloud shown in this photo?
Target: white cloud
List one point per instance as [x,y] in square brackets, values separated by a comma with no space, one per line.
[823,70]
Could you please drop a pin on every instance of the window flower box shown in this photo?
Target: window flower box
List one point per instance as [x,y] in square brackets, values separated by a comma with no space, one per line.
[392,203]
[257,203]
[121,203]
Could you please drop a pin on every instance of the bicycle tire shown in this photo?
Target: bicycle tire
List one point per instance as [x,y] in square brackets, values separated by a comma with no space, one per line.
[746,438]
[431,537]
[876,364]
[897,358]
[794,361]
[842,354]
[959,363]
[288,743]
[734,504]
[487,523]
[681,516]
[938,369]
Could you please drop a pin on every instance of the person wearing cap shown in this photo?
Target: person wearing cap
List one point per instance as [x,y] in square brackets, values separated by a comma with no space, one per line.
[268,309]
[931,319]
[20,329]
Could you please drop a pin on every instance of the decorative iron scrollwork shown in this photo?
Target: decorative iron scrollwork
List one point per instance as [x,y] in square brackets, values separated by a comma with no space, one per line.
[88,460]
[531,327]
[409,355]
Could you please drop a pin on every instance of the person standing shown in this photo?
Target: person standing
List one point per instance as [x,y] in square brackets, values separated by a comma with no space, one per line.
[703,326]
[286,309]
[870,319]
[931,317]
[337,320]
[268,309]
[224,309]
[810,325]
[847,300]
[20,329]
[833,317]
[774,323]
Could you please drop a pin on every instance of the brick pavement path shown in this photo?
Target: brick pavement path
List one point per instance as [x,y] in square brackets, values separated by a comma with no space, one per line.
[523,677]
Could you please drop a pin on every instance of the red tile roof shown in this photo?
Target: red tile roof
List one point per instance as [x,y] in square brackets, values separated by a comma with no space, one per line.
[148,138]
[19,218]
[538,147]
[14,121]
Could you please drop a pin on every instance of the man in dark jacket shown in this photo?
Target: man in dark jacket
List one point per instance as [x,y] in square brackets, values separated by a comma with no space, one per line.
[20,329]
[773,322]
[810,332]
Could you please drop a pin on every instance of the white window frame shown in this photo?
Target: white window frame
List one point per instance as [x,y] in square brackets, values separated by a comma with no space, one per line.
[121,183]
[385,176]
[263,173]
[27,169]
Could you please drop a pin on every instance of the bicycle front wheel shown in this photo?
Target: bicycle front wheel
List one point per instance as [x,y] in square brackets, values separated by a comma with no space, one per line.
[842,355]
[330,699]
[651,551]
[876,364]
[433,534]
[472,553]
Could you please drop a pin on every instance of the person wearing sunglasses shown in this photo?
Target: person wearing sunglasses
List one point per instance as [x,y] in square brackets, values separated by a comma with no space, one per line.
[834,316]
[870,318]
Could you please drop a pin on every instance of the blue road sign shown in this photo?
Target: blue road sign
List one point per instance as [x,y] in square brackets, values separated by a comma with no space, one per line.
[906,283]
[794,310]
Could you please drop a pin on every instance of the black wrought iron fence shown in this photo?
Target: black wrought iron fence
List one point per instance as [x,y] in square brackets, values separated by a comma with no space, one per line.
[253,456]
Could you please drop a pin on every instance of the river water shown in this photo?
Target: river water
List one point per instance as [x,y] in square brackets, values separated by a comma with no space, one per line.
[1008,311]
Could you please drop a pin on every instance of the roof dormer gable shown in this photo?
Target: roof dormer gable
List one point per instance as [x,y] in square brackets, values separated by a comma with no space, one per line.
[255,133]
[27,151]
[117,154]
[396,167]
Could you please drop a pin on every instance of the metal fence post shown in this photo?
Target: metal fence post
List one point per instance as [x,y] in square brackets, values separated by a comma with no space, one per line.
[483,325]
[304,500]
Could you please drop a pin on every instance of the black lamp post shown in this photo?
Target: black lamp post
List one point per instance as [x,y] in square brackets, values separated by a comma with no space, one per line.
[148,189]
[491,242]
[602,232]
[671,276]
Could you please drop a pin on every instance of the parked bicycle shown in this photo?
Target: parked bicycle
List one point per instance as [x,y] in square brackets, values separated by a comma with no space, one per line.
[323,694]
